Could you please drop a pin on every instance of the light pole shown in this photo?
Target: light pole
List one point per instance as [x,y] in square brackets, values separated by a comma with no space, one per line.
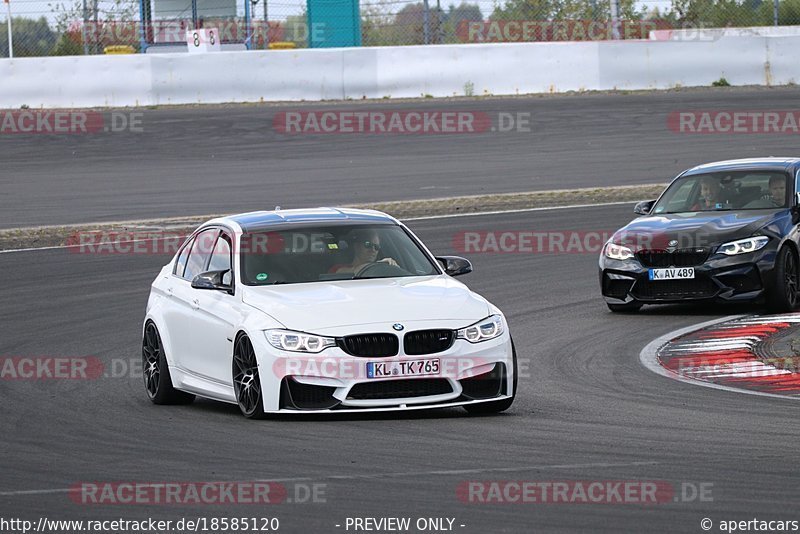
[615,34]
[10,38]
[83,30]
[266,25]
[426,22]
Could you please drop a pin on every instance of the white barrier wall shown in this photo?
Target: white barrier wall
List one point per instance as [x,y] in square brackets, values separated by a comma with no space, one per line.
[447,70]
[693,34]
[650,64]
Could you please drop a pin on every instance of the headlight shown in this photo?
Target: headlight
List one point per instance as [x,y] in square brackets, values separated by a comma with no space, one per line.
[618,252]
[298,341]
[483,330]
[743,246]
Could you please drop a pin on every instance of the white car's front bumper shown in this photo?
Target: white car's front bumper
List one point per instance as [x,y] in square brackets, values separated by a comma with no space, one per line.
[334,381]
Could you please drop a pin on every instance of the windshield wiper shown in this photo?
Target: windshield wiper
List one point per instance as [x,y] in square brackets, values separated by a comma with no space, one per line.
[379,277]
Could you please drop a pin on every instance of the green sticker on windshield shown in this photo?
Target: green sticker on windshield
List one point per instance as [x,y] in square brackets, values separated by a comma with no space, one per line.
[262,276]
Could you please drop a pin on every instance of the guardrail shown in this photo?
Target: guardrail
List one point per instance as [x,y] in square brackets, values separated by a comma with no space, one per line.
[395,72]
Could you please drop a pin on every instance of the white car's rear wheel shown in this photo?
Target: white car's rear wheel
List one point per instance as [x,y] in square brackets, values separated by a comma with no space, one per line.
[157,381]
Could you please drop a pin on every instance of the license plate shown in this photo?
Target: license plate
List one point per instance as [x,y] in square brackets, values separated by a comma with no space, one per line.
[404,368]
[677,273]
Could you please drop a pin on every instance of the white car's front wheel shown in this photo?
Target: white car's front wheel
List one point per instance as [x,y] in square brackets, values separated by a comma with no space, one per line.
[246,382]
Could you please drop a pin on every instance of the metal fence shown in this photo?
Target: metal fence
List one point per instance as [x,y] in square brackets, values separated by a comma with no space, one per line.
[75,27]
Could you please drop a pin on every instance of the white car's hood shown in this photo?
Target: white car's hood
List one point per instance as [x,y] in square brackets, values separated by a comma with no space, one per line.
[313,307]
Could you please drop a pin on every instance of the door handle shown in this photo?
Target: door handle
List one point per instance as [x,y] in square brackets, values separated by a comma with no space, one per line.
[196,304]
[169,291]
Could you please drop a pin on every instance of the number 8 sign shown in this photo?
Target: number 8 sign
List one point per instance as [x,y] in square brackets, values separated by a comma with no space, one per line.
[203,40]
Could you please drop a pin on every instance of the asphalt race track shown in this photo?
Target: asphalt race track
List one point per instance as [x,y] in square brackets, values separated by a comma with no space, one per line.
[586,408]
[202,160]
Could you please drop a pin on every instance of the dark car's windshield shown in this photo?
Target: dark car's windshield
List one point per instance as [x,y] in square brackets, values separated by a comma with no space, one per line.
[743,190]
[324,253]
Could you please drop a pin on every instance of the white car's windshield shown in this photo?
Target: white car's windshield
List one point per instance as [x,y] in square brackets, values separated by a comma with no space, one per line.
[743,190]
[325,253]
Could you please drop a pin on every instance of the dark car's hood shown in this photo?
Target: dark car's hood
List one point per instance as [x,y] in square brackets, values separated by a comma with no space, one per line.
[691,230]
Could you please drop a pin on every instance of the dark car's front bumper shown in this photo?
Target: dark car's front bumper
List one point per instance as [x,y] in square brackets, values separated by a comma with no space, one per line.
[743,277]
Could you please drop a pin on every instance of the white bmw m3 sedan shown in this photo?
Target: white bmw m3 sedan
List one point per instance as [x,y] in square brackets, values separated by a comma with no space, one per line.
[322,310]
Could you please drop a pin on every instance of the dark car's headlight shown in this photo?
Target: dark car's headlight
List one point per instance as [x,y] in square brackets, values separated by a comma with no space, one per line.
[298,341]
[617,252]
[743,246]
[483,330]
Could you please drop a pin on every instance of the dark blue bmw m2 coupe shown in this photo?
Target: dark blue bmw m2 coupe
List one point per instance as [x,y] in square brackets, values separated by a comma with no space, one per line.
[722,231]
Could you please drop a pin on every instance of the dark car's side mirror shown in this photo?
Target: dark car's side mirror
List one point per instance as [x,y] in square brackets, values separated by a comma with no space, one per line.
[643,207]
[212,280]
[796,209]
[455,265]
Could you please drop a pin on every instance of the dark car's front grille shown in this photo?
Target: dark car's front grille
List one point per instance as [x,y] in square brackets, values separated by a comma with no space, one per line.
[427,341]
[675,289]
[400,389]
[370,345]
[687,257]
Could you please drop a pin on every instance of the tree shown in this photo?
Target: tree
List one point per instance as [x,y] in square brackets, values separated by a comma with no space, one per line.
[457,17]
[409,23]
[381,27]
[714,13]
[100,25]
[464,11]
[555,10]
[31,37]
[70,43]
[788,12]
[376,23]
[732,13]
